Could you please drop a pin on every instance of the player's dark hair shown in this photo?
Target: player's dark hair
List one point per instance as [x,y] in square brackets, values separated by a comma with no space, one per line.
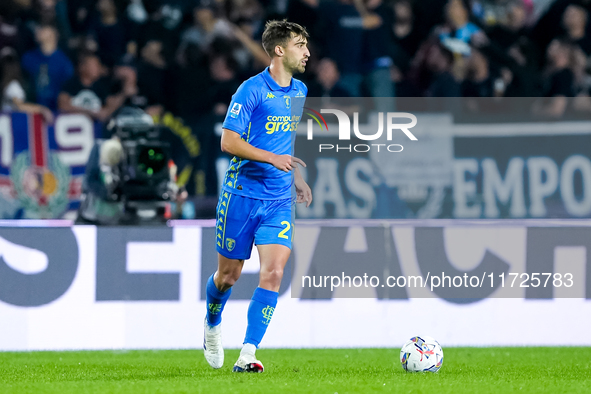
[279,33]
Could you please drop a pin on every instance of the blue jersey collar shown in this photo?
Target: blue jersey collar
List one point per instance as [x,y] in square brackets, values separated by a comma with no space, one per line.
[274,85]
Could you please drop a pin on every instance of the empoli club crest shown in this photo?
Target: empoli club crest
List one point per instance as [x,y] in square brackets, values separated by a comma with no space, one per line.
[230,244]
[268,314]
[287,101]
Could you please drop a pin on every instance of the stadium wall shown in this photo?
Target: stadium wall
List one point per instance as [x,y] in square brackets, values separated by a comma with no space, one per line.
[86,287]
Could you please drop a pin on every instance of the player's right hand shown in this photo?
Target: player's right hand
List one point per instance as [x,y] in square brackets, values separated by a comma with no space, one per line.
[286,162]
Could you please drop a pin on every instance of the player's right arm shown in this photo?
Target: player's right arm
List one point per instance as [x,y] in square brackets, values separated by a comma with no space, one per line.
[236,146]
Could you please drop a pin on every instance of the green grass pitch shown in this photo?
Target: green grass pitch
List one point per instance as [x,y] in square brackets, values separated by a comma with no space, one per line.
[465,370]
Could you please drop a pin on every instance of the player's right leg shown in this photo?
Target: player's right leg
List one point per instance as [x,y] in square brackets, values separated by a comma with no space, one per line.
[234,239]
[218,290]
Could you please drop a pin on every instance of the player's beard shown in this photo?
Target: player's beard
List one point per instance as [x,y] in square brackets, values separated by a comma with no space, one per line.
[294,66]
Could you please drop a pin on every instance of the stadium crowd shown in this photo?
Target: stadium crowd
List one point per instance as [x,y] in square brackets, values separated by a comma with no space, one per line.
[187,57]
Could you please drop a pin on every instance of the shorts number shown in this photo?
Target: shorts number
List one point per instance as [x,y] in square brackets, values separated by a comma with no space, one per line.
[286,229]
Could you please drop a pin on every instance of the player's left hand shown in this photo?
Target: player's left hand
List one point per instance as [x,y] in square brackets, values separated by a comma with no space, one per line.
[299,161]
[303,191]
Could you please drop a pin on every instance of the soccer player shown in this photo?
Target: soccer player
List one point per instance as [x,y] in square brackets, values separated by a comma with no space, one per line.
[255,205]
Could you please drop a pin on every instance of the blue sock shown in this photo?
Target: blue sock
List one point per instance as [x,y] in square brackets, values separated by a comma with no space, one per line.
[215,302]
[260,311]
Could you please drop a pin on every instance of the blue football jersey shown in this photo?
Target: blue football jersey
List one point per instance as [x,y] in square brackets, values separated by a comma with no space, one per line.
[266,116]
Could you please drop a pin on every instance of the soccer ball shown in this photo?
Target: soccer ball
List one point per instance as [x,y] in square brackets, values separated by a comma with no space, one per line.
[421,354]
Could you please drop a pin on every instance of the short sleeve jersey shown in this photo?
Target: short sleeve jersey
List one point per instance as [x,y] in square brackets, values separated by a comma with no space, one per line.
[266,116]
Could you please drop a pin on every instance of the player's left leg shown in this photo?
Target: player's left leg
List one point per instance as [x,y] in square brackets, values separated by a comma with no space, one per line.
[273,240]
[273,259]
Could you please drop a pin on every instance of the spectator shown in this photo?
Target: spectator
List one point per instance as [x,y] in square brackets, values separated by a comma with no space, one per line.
[404,43]
[126,83]
[88,92]
[405,37]
[494,12]
[513,51]
[327,79]
[372,43]
[458,31]
[222,69]
[520,69]
[163,25]
[250,53]
[574,21]
[190,76]
[79,14]
[512,28]
[244,10]
[206,27]
[152,76]
[47,67]
[224,82]
[559,82]
[478,82]
[110,32]
[215,35]
[10,26]
[582,82]
[53,12]
[83,16]
[511,47]
[339,32]
[377,61]
[440,61]
[12,94]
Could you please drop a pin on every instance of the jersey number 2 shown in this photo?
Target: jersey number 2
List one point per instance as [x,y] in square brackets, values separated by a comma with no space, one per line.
[286,229]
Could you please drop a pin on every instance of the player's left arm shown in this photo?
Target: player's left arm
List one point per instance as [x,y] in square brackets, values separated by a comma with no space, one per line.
[303,191]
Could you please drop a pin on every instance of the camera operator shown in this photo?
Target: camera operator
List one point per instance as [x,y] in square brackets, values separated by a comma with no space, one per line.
[130,177]
[101,202]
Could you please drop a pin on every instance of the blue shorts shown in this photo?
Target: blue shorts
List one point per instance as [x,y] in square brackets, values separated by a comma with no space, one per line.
[240,221]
